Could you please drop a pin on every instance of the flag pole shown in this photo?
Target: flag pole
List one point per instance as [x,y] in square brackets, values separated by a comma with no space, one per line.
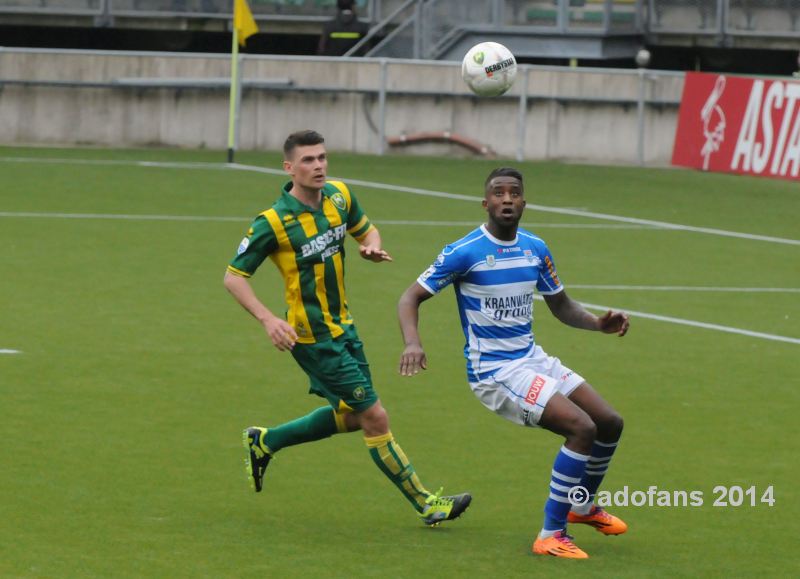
[233,94]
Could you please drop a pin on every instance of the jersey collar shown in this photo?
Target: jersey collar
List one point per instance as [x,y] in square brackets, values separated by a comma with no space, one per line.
[294,204]
[493,239]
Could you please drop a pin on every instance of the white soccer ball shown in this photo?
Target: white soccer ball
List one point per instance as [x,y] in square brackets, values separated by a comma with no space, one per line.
[489,69]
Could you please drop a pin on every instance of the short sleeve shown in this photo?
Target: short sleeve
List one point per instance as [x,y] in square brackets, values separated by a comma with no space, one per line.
[358,224]
[443,271]
[259,242]
[548,282]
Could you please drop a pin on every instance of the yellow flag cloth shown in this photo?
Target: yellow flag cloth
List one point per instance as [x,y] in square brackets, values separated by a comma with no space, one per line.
[243,21]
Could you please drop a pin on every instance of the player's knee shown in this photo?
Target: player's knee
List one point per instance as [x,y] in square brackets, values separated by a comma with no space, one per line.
[582,432]
[374,421]
[609,427]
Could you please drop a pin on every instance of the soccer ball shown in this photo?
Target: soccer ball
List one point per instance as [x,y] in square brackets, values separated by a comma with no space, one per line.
[489,69]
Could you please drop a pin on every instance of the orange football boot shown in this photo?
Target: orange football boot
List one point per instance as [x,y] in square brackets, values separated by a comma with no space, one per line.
[601,520]
[559,545]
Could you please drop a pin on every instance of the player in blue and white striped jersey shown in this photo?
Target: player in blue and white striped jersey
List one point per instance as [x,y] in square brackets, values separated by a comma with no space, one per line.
[495,271]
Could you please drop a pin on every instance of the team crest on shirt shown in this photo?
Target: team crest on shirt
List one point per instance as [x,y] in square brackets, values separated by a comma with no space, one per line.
[359,393]
[243,246]
[490,260]
[339,201]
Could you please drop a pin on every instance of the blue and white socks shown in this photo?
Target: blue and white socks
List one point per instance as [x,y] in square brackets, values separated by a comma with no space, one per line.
[596,469]
[568,471]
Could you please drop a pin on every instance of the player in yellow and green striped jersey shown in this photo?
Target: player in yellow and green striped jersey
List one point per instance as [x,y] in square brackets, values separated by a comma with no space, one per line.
[303,233]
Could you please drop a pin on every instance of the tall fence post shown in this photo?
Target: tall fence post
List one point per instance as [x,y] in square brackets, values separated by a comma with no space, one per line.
[382,106]
[640,116]
[417,50]
[522,114]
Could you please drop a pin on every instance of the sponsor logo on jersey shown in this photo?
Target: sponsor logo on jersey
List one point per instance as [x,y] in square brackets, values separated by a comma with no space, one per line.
[320,243]
[529,254]
[535,389]
[508,249]
[339,200]
[501,308]
[428,272]
[446,280]
[330,252]
[243,246]
[551,268]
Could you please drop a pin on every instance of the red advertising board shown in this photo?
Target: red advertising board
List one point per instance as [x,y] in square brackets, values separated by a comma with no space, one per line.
[743,125]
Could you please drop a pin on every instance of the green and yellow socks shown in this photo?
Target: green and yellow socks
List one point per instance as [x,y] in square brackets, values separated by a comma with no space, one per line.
[394,463]
[384,450]
[321,423]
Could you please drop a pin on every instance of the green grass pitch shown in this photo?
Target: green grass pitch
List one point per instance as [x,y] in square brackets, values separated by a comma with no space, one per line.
[121,418]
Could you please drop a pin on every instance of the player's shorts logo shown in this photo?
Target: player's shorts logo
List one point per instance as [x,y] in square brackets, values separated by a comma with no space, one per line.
[359,393]
[338,200]
[534,389]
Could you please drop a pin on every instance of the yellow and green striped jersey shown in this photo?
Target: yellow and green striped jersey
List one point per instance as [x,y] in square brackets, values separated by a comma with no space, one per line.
[307,245]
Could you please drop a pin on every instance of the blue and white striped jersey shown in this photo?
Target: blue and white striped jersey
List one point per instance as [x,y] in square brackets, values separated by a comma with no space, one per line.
[494,281]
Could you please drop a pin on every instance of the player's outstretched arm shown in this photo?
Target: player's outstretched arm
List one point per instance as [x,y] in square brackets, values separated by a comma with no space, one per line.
[279,331]
[370,247]
[571,313]
[413,357]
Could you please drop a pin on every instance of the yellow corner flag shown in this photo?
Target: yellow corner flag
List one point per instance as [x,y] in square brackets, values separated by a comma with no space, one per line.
[243,21]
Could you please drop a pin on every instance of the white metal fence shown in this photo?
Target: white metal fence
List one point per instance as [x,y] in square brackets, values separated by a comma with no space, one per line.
[360,104]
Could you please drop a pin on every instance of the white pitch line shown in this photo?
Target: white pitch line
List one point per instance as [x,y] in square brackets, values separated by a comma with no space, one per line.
[146,217]
[692,323]
[116,162]
[560,210]
[4,351]
[126,217]
[417,191]
[687,288]
[474,224]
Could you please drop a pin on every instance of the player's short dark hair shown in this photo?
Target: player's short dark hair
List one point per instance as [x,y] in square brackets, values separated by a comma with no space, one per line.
[503,172]
[301,139]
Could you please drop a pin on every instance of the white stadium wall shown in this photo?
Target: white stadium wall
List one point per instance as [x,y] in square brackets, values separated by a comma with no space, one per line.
[133,99]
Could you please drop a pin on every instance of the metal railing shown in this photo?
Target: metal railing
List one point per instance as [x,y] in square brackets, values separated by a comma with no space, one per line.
[395,96]
[223,9]
[433,23]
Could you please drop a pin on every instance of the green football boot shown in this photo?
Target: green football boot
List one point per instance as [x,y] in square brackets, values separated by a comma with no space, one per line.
[258,456]
[447,508]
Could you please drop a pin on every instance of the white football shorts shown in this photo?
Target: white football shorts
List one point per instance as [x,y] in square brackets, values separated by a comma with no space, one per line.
[519,391]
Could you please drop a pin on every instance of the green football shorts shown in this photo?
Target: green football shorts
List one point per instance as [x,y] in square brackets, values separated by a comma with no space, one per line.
[338,371]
